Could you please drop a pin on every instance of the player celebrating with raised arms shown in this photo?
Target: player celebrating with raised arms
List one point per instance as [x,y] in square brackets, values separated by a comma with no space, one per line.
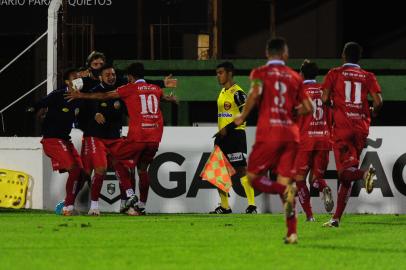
[145,117]
[277,89]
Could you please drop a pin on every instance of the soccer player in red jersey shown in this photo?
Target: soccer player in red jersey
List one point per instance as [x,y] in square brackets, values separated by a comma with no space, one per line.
[314,144]
[103,133]
[146,121]
[277,89]
[348,87]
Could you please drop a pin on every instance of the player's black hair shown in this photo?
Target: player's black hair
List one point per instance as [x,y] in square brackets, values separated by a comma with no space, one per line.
[276,45]
[309,70]
[107,66]
[352,52]
[136,70]
[82,69]
[227,65]
[93,56]
[67,72]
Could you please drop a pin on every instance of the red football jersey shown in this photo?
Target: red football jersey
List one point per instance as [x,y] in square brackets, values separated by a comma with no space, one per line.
[142,101]
[281,93]
[315,128]
[349,86]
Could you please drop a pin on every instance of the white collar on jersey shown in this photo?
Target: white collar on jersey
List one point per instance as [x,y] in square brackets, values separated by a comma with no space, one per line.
[351,65]
[140,81]
[309,81]
[275,62]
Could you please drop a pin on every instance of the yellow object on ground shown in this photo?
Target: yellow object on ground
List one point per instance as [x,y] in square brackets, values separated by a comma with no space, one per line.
[13,188]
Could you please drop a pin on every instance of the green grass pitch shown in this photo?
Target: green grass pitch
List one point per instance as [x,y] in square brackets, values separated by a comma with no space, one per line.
[42,240]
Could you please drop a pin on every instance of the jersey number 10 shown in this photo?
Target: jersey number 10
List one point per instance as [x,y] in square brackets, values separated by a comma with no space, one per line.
[149,104]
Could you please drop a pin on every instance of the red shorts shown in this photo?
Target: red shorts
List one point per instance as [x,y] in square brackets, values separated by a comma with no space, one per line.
[347,147]
[95,153]
[316,160]
[279,156]
[62,153]
[137,151]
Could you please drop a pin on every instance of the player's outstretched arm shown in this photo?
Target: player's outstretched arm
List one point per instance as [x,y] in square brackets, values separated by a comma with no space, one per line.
[253,97]
[170,98]
[72,95]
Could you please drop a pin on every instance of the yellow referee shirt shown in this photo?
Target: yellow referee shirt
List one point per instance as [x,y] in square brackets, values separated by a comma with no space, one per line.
[230,103]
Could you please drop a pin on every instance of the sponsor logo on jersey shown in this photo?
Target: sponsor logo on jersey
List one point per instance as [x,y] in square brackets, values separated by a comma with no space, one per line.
[227,105]
[225,115]
[235,157]
[117,105]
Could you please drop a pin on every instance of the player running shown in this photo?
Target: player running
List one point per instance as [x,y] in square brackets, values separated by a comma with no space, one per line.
[348,87]
[314,147]
[277,89]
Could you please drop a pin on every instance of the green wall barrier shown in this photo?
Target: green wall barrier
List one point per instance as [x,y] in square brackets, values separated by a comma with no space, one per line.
[205,87]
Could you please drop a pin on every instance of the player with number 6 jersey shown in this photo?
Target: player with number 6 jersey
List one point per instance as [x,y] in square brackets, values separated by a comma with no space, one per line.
[348,87]
[314,147]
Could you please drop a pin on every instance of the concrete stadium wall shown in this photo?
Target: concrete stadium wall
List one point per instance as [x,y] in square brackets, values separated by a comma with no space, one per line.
[177,188]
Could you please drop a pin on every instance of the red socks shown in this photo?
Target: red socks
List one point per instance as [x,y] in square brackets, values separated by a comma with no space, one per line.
[144,186]
[352,174]
[124,177]
[263,184]
[97,182]
[71,183]
[319,184]
[342,199]
[304,198]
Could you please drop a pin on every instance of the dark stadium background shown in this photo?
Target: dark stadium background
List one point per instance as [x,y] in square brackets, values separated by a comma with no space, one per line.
[314,29]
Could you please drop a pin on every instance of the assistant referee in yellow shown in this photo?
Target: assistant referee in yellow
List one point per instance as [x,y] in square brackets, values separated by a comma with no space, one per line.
[230,138]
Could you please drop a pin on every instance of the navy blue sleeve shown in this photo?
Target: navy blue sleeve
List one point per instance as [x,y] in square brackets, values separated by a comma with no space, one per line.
[46,101]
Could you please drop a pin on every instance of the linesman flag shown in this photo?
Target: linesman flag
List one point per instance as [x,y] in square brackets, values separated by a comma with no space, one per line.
[218,170]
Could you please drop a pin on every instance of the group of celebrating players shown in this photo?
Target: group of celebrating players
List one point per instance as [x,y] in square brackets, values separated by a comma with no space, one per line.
[299,122]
